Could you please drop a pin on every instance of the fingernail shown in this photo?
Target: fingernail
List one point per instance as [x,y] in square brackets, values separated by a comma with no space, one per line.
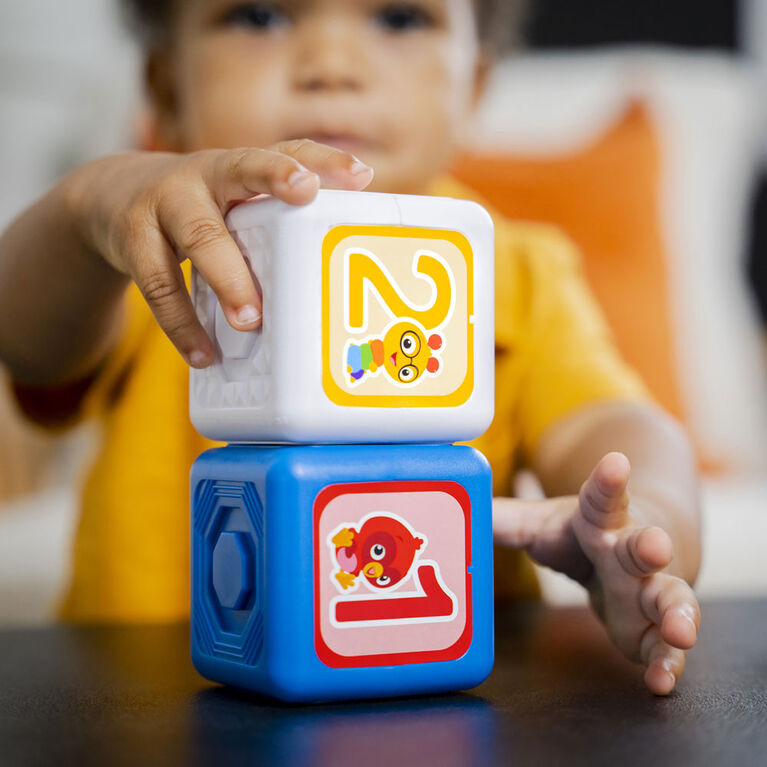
[686,611]
[199,359]
[667,667]
[299,177]
[247,315]
[358,167]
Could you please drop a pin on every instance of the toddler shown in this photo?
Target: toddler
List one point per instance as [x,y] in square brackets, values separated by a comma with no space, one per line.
[284,98]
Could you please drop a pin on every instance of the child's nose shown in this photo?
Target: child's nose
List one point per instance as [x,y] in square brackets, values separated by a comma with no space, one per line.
[329,57]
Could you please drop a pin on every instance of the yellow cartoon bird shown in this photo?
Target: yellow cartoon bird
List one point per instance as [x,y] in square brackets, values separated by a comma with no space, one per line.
[407,353]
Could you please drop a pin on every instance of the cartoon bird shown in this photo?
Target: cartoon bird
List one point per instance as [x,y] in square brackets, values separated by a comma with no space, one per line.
[382,551]
[404,352]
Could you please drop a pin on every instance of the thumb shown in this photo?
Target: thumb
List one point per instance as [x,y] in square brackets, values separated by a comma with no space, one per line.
[527,486]
[520,523]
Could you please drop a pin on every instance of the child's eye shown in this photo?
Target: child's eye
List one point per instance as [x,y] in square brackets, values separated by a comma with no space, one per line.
[402,17]
[258,16]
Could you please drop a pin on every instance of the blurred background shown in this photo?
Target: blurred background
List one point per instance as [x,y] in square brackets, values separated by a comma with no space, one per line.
[639,127]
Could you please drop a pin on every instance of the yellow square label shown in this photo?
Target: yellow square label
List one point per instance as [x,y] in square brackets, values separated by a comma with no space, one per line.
[397,317]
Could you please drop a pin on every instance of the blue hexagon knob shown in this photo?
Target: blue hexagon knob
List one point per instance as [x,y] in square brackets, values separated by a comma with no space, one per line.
[234,569]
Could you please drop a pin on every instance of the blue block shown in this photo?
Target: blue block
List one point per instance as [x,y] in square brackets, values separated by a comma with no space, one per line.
[328,572]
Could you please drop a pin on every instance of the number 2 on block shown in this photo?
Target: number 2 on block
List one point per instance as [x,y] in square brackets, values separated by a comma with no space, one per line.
[364,273]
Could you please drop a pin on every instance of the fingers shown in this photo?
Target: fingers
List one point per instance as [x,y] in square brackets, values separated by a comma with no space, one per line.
[670,603]
[236,174]
[291,170]
[198,231]
[665,663]
[337,169]
[644,550]
[156,271]
[185,213]
[603,498]
[197,228]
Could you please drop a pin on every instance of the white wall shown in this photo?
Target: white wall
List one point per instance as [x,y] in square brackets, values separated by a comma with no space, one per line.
[68,91]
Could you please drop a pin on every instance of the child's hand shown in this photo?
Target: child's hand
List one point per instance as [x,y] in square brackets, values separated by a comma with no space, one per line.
[652,616]
[146,212]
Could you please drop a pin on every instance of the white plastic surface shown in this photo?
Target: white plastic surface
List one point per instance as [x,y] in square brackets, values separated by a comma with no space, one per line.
[267,385]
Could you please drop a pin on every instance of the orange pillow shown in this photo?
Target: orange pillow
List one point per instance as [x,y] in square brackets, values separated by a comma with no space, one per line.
[606,196]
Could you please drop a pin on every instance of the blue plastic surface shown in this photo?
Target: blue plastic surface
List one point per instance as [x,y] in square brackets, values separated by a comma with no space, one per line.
[274,532]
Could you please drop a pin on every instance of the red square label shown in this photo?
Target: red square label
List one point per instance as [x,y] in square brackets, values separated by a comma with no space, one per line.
[391,573]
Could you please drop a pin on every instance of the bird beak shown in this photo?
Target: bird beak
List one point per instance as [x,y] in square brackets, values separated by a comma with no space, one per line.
[373,569]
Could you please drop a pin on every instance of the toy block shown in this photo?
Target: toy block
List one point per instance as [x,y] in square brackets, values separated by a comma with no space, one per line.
[377,323]
[331,572]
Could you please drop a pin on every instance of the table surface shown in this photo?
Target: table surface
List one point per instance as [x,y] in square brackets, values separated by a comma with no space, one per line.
[559,694]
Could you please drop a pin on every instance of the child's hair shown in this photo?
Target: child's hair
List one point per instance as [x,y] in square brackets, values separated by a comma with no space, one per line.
[499,22]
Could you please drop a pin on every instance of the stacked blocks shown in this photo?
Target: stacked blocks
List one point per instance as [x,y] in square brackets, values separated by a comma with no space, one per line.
[326,571]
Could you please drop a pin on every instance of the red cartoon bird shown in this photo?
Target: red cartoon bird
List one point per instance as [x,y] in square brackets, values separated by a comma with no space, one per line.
[383,551]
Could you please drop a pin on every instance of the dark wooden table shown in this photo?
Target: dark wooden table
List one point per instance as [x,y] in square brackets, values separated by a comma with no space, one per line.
[559,694]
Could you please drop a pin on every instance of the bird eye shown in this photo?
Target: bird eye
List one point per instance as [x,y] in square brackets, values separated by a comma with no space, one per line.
[408,373]
[410,344]
[377,551]
[383,580]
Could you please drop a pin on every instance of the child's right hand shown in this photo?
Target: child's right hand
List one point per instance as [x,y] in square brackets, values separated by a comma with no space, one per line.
[146,212]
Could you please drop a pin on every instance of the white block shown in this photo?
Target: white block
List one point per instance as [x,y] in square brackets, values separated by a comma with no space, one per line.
[354,285]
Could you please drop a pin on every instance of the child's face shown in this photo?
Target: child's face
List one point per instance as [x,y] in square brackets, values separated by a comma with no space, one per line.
[390,82]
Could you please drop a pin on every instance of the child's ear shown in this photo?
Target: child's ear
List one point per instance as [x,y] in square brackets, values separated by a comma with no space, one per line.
[479,86]
[481,77]
[159,125]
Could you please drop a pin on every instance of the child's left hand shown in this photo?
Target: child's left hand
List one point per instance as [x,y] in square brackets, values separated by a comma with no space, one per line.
[650,615]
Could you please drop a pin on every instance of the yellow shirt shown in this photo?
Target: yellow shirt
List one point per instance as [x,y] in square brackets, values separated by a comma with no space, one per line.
[131,552]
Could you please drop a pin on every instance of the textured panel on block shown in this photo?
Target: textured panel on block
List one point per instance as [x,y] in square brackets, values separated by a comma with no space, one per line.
[227,618]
